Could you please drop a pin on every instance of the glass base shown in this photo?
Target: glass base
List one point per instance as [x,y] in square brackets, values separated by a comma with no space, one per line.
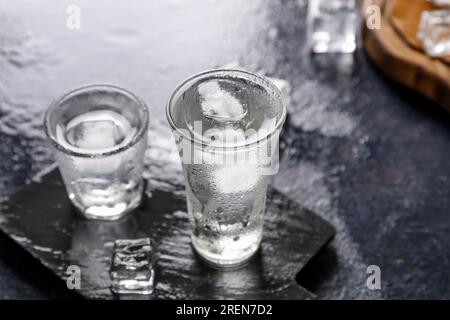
[225,262]
[108,211]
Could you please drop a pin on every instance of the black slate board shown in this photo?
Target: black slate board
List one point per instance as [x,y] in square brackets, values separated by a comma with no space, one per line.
[41,219]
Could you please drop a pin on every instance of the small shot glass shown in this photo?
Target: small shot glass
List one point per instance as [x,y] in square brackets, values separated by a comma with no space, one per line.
[98,134]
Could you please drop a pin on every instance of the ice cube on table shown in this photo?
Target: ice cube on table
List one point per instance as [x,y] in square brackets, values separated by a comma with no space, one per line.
[283,85]
[132,266]
[218,103]
[435,32]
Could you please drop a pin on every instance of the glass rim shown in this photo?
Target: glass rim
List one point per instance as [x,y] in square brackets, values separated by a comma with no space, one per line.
[57,102]
[229,72]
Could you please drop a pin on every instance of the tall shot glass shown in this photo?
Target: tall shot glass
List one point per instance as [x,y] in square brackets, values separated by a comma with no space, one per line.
[226,125]
[98,134]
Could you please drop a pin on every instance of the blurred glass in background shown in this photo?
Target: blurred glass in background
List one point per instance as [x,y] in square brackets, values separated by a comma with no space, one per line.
[332,26]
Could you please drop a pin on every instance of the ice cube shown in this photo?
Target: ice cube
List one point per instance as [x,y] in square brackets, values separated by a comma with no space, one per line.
[283,85]
[435,32]
[236,179]
[132,266]
[94,135]
[332,25]
[96,130]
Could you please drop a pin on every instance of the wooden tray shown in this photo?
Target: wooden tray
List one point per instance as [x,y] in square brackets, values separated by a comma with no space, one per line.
[397,51]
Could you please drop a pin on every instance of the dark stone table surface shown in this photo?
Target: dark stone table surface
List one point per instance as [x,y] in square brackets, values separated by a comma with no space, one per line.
[364,153]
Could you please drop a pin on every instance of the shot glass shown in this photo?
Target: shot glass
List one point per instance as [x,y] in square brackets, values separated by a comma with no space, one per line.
[332,26]
[226,125]
[98,134]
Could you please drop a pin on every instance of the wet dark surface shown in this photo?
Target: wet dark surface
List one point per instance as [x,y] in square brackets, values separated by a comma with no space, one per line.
[42,220]
[365,154]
